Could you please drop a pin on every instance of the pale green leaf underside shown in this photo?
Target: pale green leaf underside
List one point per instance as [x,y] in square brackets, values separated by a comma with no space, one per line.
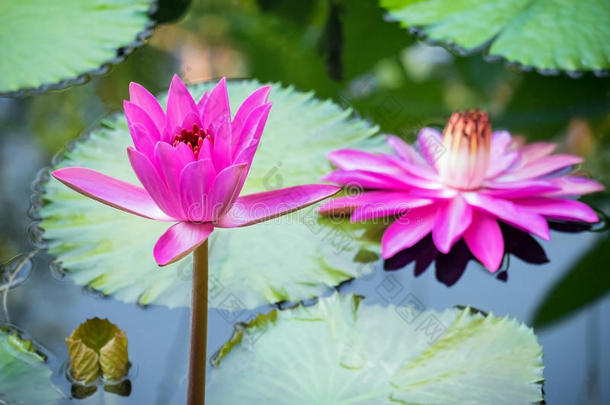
[24,376]
[50,41]
[341,352]
[290,258]
[549,35]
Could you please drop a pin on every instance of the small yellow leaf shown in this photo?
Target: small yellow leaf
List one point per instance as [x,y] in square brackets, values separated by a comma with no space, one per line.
[113,357]
[97,347]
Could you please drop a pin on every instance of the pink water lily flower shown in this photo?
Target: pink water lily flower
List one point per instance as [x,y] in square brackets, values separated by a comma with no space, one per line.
[459,184]
[192,161]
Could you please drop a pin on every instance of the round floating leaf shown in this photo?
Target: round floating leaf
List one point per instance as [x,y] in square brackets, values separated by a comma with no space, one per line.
[549,35]
[291,258]
[341,351]
[25,378]
[51,44]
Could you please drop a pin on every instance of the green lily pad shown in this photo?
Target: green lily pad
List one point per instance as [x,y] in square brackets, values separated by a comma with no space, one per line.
[288,259]
[25,378]
[51,44]
[548,35]
[342,351]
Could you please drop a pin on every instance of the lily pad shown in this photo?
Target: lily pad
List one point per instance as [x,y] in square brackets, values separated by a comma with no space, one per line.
[548,35]
[52,44]
[342,351]
[25,377]
[289,259]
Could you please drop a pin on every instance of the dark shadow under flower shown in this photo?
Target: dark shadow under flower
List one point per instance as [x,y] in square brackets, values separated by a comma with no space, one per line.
[450,267]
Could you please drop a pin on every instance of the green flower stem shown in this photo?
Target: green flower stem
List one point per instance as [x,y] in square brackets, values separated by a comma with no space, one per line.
[199,327]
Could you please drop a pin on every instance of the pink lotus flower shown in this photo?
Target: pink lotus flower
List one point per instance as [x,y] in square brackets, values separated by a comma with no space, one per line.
[192,161]
[459,185]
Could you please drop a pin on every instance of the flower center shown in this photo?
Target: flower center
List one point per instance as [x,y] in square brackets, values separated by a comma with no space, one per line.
[467,139]
[193,138]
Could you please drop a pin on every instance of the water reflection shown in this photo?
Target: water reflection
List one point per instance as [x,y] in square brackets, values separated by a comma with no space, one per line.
[450,267]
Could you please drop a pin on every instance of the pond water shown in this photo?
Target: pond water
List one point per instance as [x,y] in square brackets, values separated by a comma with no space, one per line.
[388,77]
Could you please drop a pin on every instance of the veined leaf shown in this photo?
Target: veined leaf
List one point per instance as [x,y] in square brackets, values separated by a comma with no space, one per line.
[548,35]
[51,44]
[343,351]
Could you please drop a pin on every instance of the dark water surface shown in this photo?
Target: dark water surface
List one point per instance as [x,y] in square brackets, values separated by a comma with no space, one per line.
[387,77]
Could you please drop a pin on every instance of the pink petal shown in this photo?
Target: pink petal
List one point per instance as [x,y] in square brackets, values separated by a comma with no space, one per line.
[559,208]
[111,191]
[205,152]
[180,240]
[136,116]
[251,130]
[202,102]
[226,189]
[452,220]
[363,179]
[347,204]
[431,145]
[254,208]
[153,183]
[254,100]
[405,151]
[353,159]
[501,158]
[519,189]
[189,120]
[358,180]
[415,169]
[407,230]
[217,118]
[141,97]
[142,140]
[485,241]
[541,167]
[510,213]
[217,110]
[574,185]
[179,104]
[170,161]
[387,204]
[499,164]
[246,155]
[535,151]
[500,141]
[196,180]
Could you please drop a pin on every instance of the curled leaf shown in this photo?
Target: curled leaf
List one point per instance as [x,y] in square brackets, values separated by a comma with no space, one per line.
[97,347]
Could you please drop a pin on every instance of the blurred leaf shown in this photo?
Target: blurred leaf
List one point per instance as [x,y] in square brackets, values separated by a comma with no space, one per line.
[586,282]
[52,44]
[341,351]
[25,378]
[547,34]
[368,36]
[170,10]
[291,258]
[294,57]
[97,347]
[542,106]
